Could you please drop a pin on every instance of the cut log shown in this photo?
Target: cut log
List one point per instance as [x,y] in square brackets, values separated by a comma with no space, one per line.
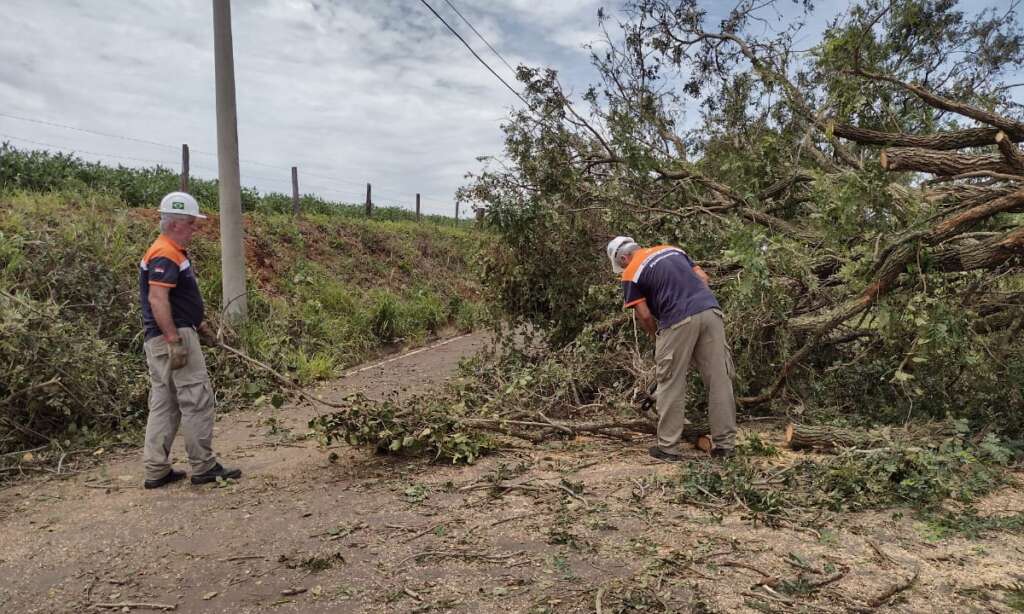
[805,437]
[704,444]
[958,139]
[830,438]
[1011,153]
[942,162]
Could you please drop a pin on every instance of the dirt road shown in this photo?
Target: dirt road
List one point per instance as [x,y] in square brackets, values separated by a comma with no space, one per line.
[578,526]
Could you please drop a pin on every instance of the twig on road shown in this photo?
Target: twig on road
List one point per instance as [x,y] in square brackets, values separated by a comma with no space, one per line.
[136,606]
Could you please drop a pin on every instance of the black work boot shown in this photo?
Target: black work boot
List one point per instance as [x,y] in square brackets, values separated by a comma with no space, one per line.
[217,471]
[662,455]
[723,453]
[172,476]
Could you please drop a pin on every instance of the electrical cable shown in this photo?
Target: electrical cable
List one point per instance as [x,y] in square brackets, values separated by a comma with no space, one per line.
[480,36]
[83,151]
[475,54]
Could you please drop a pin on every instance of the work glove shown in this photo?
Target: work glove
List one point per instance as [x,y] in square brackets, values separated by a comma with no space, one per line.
[207,336]
[178,352]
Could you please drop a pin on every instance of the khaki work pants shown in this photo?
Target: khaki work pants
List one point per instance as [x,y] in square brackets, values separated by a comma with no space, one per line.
[176,396]
[700,337]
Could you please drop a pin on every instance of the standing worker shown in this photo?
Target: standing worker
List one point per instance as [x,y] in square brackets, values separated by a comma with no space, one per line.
[672,300]
[172,314]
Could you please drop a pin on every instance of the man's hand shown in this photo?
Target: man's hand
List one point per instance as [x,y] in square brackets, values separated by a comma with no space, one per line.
[646,318]
[178,352]
[207,336]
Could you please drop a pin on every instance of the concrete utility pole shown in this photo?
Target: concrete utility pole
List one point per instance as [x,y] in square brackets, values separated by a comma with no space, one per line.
[417,207]
[231,246]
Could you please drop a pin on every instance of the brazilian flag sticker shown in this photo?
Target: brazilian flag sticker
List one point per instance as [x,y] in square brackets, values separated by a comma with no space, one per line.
[178,205]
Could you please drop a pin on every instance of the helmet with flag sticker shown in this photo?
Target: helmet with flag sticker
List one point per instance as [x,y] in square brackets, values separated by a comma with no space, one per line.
[181,204]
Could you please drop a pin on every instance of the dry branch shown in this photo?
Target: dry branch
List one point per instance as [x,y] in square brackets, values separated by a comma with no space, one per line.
[132,605]
[895,589]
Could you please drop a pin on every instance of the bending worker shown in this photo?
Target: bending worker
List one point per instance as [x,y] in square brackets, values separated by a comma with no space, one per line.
[672,301]
[172,314]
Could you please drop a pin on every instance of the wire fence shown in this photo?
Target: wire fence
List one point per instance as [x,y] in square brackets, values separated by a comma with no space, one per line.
[313,184]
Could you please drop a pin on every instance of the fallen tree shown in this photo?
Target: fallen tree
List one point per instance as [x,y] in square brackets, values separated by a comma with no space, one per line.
[859,209]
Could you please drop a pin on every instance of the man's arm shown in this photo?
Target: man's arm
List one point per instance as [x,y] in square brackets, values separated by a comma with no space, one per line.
[703,276]
[647,321]
[160,303]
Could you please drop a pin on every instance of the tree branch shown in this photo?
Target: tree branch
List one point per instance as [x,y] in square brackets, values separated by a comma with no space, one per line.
[1011,127]
[942,162]
[1011,153]
[972,137]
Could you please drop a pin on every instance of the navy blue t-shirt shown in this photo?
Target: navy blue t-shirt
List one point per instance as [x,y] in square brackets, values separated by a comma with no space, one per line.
[664,278]
[166,264]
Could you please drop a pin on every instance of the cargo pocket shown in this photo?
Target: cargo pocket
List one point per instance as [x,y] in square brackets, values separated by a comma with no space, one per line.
[197,398]
[157,360]
[194,371]
[663,367]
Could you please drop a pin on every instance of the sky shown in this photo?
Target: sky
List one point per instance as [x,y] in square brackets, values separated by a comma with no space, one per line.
[349,91]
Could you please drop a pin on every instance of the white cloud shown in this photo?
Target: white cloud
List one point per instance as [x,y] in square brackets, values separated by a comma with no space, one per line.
[351,91]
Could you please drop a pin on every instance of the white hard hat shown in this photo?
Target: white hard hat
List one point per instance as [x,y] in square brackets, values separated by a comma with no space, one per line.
[182,204]
[616,245]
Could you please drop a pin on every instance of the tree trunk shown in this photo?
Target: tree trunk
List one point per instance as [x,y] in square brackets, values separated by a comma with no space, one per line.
[972,137]
[983,255]
[942,163]
[1010,151]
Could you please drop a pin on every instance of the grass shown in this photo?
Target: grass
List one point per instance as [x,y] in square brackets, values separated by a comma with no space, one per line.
[325,292]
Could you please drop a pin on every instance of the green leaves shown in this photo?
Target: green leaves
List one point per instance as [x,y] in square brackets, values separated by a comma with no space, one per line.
[430,430]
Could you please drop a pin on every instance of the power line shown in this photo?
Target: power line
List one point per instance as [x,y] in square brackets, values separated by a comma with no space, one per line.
[77,129]
[82,151]
[475,55]
[160,144]
[480,36]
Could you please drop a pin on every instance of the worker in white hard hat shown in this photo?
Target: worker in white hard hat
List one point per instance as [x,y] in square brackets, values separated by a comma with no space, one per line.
[172,316]
[673,302]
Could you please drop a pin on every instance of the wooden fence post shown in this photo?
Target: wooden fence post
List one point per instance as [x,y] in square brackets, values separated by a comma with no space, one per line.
[184,167]
[417,207]
[369,202]
[295,191]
